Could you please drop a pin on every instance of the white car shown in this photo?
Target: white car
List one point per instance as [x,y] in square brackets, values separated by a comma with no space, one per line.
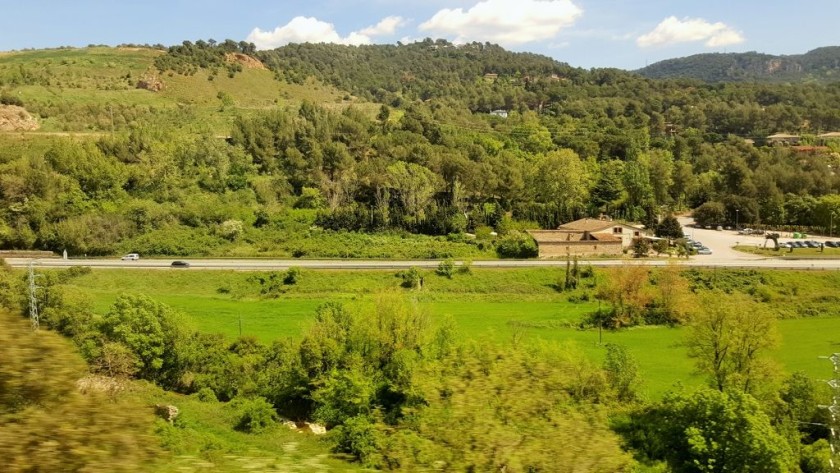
[131,257]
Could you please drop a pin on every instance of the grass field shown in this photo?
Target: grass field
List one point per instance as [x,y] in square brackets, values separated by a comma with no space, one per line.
[493,305]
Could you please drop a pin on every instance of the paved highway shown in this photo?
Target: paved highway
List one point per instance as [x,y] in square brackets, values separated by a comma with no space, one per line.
[745,261]
[720,242]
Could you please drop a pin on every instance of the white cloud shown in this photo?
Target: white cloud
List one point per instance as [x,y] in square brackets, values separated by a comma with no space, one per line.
[312,30]
[388,25]
[507,22]
[688,30]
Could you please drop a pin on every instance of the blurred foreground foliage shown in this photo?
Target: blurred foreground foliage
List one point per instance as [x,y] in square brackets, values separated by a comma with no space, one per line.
[47,424]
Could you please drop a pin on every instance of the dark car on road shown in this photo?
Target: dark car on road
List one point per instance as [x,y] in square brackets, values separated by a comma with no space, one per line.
[180,264]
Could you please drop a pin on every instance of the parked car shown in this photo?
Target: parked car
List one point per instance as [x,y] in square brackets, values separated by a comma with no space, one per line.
[131,257]
[812,244]
[180,264]
[785,245]
[831,244]
[704,251]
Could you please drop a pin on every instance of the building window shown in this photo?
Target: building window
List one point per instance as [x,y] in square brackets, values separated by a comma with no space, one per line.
[617,230]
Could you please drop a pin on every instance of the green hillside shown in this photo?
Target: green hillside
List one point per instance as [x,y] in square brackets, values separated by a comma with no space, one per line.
[821,65]
[96,89]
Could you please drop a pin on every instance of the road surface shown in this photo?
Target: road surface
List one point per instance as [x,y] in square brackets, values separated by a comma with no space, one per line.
[709,261]
[720,242]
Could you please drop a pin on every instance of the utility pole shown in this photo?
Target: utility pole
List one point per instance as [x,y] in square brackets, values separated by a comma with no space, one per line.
[33,297]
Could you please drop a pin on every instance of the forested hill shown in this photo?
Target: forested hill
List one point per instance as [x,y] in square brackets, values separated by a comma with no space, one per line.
[819,65]
[422,70]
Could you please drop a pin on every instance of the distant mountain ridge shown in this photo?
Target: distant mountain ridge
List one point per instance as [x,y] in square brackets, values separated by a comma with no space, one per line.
[821,65]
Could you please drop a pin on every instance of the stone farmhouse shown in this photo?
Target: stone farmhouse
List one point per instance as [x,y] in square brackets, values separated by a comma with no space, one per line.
[585,237]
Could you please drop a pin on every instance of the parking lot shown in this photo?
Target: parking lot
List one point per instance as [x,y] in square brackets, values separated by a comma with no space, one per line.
[721,242]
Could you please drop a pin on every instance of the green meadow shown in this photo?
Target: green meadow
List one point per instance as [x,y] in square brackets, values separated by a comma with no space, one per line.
[489,304]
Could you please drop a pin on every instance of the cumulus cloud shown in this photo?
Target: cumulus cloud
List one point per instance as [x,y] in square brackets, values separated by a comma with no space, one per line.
[688,30]
[312,30]
[387,26]
[507,22]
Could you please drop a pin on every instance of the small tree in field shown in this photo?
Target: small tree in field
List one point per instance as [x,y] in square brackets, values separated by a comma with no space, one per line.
[661,247]
[641,247]
[626,291]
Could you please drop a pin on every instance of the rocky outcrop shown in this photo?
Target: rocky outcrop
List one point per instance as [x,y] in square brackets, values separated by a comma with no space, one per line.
[247,62]
[151,81]
[166,412]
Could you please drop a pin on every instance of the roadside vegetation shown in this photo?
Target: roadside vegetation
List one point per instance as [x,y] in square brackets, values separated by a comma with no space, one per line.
[389,369]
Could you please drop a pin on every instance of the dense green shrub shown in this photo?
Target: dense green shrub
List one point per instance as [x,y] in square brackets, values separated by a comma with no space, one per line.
[411,278]
[292,276]
[361,437]
[256,415]
[353,218]
[516,245]
[206,394]
[446,268]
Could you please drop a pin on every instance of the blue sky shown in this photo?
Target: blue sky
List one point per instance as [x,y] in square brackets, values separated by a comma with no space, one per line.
[584,33]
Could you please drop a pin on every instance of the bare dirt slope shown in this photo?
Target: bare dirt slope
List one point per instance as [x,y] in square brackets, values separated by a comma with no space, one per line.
[14,118]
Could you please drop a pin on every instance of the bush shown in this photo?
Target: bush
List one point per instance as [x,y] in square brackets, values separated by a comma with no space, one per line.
[517,245]
[257,415]
[641,247]
[353,218]
[206,394]
[578,298]
[410,278]
[310,198]
[292,276]
[446,268]
[483,232]
[360,437]
[466,267]
[8,99]
[815,457]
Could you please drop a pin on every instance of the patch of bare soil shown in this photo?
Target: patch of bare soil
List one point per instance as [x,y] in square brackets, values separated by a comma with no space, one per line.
[246,61]
[14,118]
[151,81]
